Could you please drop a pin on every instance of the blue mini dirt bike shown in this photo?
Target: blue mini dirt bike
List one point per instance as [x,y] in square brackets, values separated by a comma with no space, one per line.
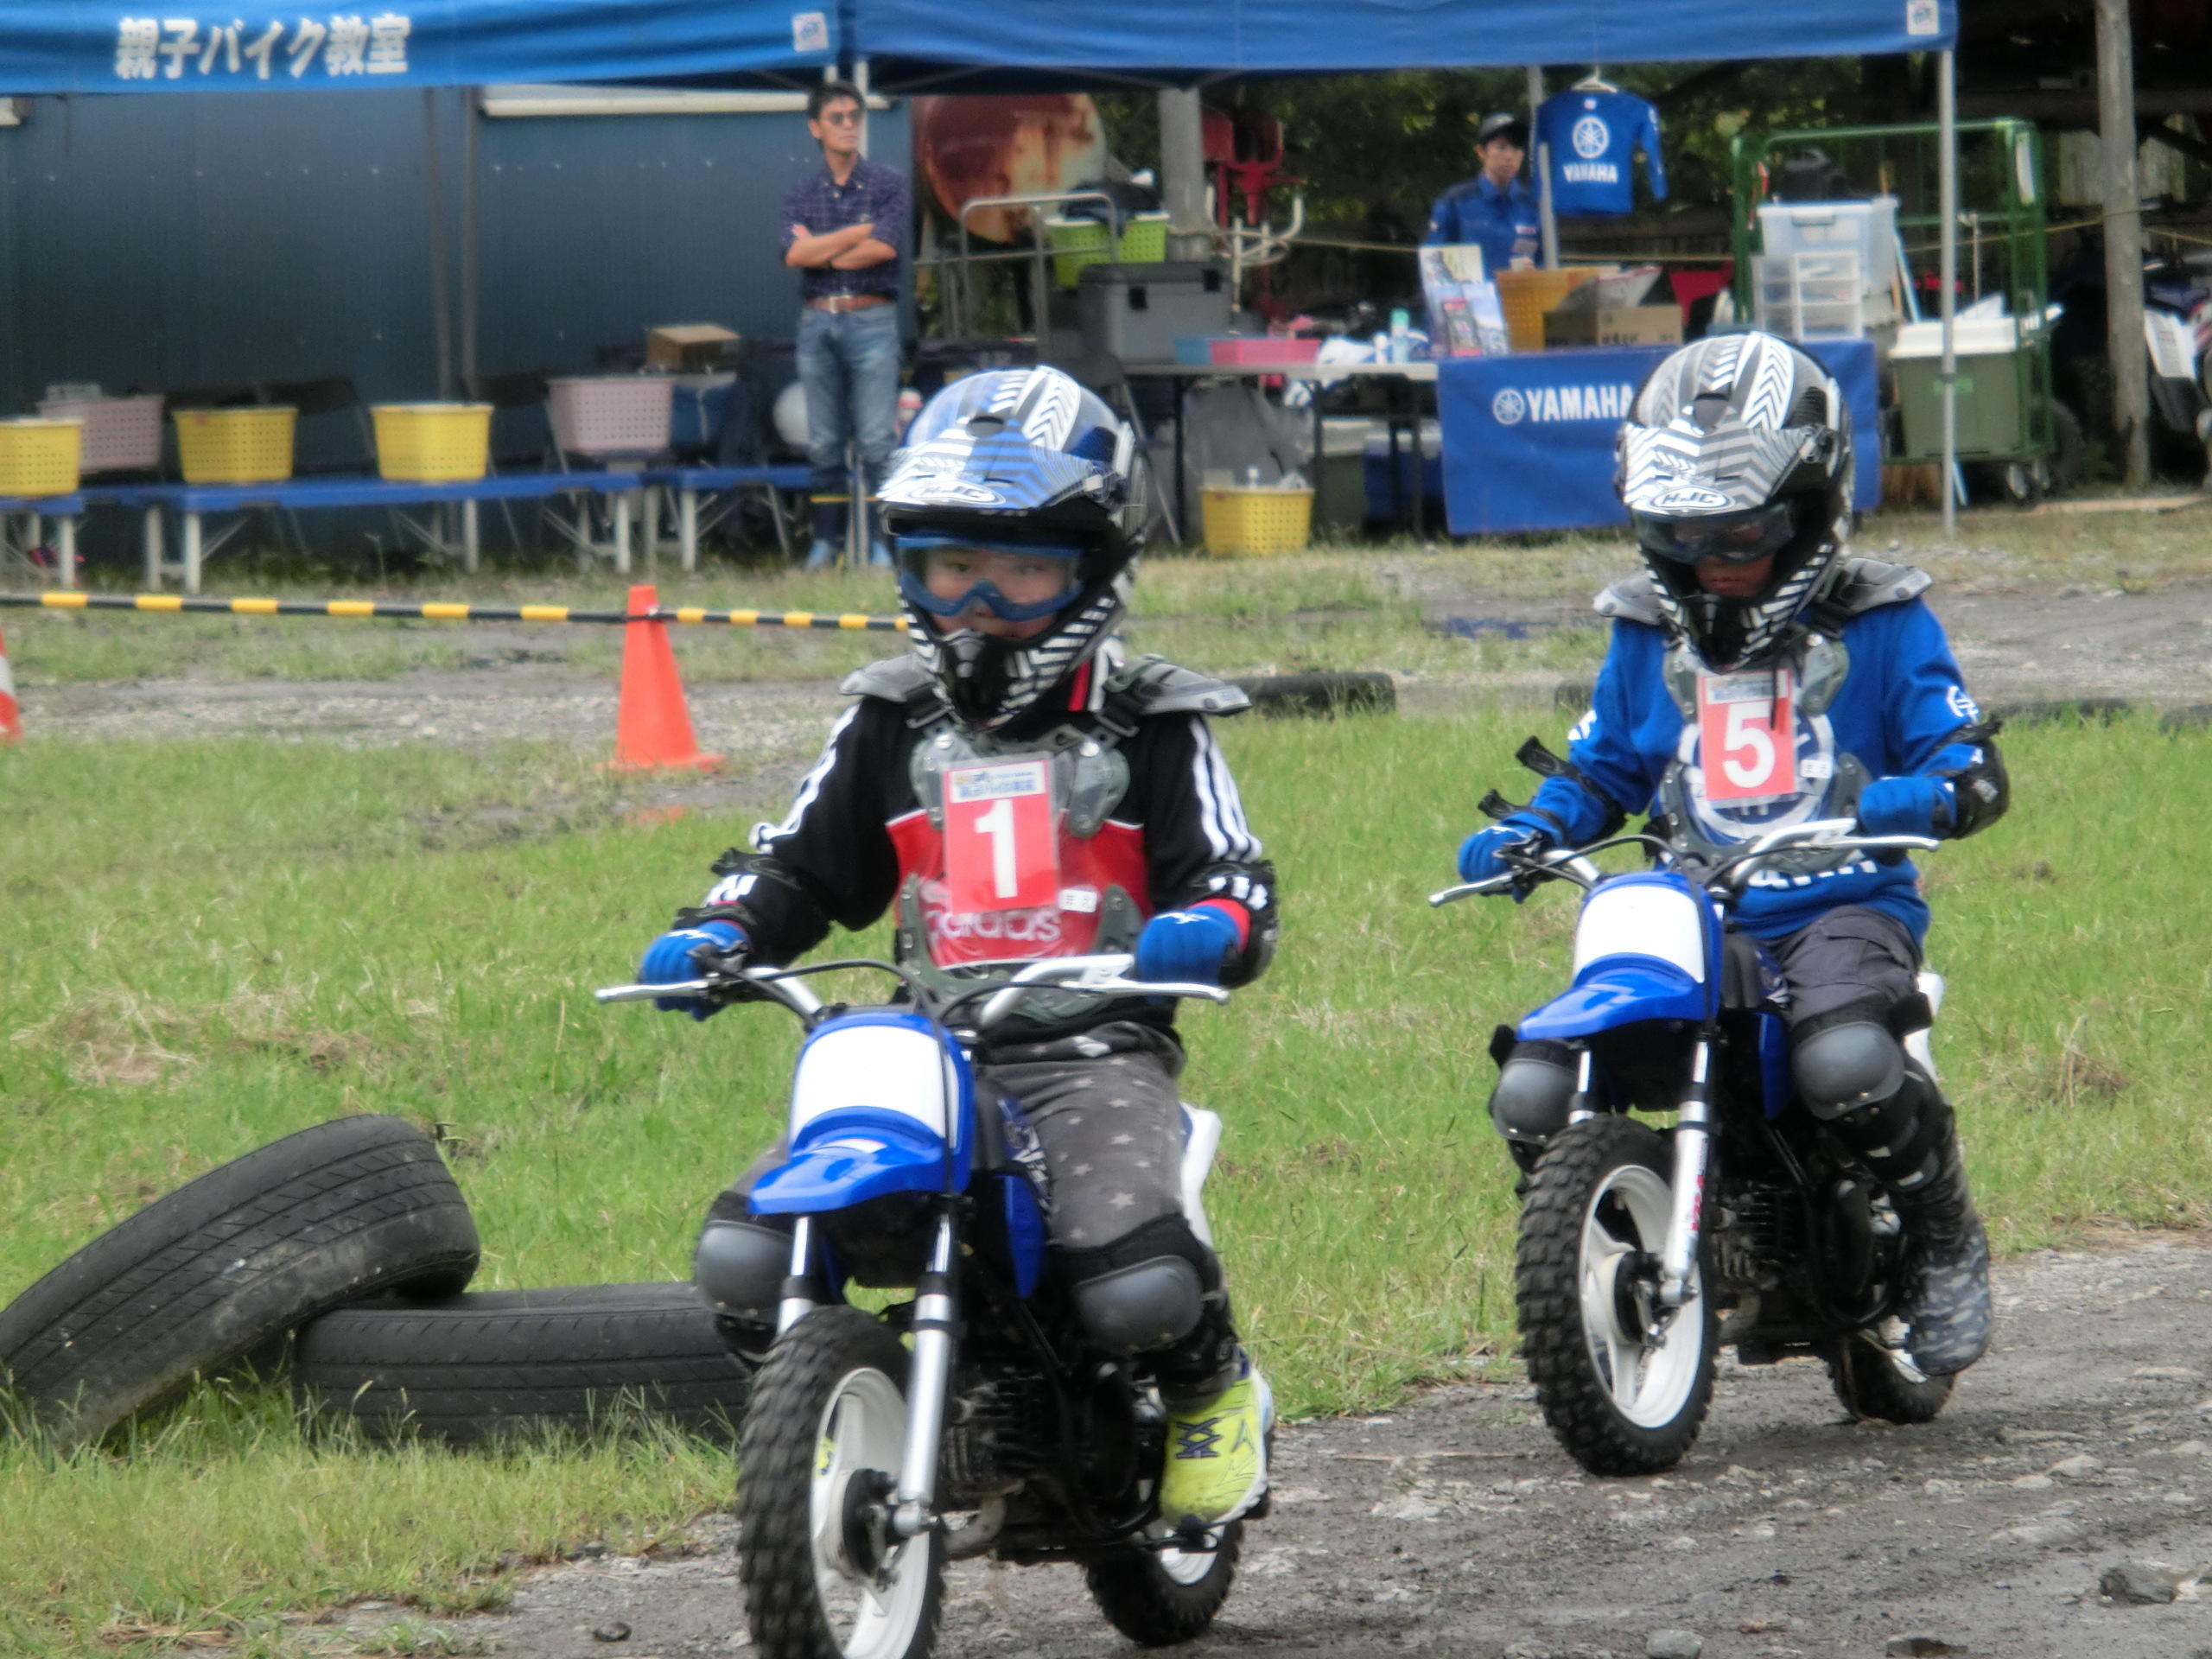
[973,1419]
[1635,1242]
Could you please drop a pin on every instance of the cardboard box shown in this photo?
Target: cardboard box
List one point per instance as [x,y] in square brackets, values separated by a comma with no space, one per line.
[1614,325]
[689,347]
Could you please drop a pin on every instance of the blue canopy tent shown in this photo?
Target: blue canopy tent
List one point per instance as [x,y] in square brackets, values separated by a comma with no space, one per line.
[204,46]
[916,46]
[925,46]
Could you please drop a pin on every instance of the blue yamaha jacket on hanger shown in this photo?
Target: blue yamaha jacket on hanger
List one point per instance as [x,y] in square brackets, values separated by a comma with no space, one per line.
[1593,137]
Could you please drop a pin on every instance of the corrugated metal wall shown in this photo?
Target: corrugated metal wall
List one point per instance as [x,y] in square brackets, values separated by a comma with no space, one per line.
[163,242]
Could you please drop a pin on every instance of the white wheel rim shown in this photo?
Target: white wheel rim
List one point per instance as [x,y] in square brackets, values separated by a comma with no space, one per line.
[863,1427]
[1647,1382]
[1188,1567]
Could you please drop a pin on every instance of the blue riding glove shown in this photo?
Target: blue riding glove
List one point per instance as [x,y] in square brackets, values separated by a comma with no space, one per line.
[1905,806]
[1187,946]
[687,953]
[1478,853]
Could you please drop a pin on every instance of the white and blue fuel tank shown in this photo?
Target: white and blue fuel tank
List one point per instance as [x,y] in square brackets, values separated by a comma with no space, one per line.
[1647,946]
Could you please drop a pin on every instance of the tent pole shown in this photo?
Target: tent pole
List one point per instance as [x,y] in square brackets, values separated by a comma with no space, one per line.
[1946,206]
[1182,173]
[440,298]
[471,231]
[1547,219]
[2123,231]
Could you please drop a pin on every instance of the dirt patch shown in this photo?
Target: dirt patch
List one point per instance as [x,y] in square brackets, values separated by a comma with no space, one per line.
[1455,1526]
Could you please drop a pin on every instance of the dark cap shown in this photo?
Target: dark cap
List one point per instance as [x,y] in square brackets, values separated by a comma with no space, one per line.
[1501,125]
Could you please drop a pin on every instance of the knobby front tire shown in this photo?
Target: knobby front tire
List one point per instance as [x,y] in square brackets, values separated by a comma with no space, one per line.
[1598,1205]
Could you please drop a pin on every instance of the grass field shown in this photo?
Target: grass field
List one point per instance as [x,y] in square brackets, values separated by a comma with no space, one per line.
[213,944]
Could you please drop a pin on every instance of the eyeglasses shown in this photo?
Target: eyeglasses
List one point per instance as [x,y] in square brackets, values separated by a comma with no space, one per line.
[840,118]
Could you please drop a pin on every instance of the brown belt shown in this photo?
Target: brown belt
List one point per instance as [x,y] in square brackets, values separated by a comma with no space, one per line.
[849,302]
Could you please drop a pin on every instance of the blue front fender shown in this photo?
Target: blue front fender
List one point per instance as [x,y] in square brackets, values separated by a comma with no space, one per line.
[1621,991]
[864,1156]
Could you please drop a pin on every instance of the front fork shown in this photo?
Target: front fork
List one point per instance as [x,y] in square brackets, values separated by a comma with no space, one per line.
[1692,1157]
[936,1331]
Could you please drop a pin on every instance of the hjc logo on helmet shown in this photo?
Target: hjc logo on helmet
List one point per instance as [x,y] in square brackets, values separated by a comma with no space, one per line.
[1687,498]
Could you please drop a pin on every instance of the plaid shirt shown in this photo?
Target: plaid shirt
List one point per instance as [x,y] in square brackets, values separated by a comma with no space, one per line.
[872,194]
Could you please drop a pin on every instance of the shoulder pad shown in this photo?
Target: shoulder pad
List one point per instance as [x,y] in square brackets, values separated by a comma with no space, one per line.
[1864,584]
[1634,598]
[1153,685]
[894,679]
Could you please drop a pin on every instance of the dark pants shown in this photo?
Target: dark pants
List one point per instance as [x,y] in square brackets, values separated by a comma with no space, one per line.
[1853,958]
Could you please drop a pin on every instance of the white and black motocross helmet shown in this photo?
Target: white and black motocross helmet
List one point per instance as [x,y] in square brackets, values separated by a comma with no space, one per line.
[1016,461]
[1737,447]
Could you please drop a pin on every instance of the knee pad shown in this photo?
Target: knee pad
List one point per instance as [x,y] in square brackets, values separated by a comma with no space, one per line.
[1845,1067]
[739,1265]
[1145,1291]
[1151,1304]
[1534,1088]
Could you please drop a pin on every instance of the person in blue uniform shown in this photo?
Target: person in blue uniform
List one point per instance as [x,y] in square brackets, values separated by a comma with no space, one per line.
[1494,209]
[1761,674]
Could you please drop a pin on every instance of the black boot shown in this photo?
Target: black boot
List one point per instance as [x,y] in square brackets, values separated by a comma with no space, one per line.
[1946,1292]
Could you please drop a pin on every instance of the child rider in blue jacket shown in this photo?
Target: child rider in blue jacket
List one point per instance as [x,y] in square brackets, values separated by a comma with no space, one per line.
[1759,675]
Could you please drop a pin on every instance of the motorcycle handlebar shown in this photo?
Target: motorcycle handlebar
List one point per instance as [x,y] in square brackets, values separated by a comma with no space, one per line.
[1107,975]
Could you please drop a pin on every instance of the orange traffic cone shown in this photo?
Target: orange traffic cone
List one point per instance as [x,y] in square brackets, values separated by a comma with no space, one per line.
[11,720]
[652,728]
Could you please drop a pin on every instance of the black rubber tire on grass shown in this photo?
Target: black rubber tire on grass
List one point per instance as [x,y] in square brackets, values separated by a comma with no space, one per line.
[492,1362]
[1546,1280]
[776,1460]
[241,1256]
[1151,1608]
[1869,1382]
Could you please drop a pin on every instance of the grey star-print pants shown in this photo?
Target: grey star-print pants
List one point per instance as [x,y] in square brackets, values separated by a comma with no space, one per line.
[1109,1117]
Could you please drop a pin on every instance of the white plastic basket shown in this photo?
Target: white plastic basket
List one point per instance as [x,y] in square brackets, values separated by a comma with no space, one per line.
[610,413]
[1868,229]
[122,435]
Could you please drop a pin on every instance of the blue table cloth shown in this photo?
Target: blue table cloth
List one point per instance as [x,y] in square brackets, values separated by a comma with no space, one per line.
[1529,438]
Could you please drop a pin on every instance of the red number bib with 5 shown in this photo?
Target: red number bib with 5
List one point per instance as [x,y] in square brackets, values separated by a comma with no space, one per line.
[1747,736]
[1002,844]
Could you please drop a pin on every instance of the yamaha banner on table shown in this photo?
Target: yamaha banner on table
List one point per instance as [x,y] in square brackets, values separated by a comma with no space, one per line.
[1529,439]
[239,46]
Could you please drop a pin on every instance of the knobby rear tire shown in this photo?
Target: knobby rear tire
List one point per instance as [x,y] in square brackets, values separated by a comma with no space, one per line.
[1880,1383]
[1146,1597]
[1585,1163]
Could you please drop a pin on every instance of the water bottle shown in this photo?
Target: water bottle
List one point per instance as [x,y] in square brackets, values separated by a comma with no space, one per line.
[1401,349]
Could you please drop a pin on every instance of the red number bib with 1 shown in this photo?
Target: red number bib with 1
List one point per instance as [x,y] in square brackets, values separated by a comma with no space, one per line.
[1002,842]
[1747,736]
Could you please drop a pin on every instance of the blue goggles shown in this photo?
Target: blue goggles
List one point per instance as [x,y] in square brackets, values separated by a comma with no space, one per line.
[914,553]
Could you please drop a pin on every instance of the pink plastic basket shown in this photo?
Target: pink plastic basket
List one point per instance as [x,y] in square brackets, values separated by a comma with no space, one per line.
[610,413]
[122,435]
[1260,348]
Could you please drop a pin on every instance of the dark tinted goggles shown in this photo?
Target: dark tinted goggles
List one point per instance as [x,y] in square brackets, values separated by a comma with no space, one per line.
[1732,538]
[917,554]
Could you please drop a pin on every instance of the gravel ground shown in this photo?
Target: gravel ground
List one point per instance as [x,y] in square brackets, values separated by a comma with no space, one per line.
[2069,642]
[1456,1527]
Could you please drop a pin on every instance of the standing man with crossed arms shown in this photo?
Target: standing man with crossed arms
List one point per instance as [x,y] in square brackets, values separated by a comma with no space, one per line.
[845,231]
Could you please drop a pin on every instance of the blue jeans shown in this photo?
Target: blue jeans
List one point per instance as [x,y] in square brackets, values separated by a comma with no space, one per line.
[848,363]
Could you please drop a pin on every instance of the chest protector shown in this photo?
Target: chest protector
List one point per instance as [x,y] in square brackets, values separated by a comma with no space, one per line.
[1758,752]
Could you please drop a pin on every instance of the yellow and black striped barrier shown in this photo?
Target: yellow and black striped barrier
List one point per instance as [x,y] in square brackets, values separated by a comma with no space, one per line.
[851,621]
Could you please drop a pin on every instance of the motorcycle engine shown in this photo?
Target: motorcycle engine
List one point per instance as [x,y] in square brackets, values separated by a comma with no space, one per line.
[997,1431]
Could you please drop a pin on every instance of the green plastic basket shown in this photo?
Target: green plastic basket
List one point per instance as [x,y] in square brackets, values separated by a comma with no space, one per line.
[1079,242]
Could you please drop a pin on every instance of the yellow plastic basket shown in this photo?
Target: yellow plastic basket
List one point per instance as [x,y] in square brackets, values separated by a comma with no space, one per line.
[1079,242]
[1257,521]
[433,443]
[235,446]
[40,457]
